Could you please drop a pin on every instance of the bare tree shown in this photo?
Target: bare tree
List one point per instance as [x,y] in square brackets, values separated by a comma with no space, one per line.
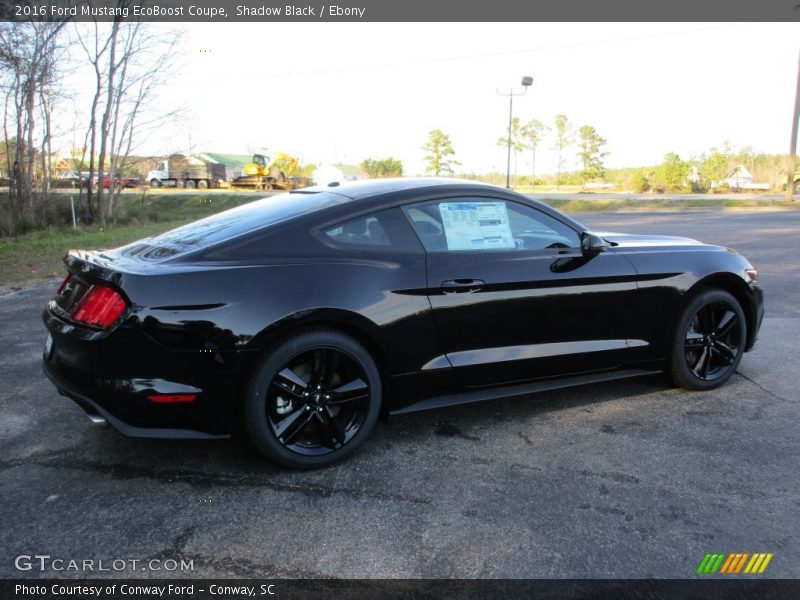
[130,63]
[28,59]
[137,110]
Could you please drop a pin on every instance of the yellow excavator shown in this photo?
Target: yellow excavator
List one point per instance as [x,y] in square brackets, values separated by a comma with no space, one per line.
[268,173]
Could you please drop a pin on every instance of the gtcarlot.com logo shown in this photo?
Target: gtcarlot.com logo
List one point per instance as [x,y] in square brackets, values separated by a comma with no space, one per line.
[45,562]
[732,563]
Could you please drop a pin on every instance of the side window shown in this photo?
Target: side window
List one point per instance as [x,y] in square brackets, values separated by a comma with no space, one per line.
[474,224]
[534,230]
[386,230]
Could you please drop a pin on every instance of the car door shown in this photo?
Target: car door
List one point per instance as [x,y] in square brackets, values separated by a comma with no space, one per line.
[513,296]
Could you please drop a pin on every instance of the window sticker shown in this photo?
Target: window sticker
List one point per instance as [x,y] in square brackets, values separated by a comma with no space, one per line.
[476,225]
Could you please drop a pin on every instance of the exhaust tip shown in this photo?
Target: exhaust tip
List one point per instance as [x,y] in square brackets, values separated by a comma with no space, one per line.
[98,420]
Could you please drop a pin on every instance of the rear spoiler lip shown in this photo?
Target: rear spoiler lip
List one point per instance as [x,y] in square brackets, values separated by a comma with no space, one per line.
[85,264]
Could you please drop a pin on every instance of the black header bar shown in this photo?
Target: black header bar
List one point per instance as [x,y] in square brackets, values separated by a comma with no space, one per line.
[406,589]
[403,10]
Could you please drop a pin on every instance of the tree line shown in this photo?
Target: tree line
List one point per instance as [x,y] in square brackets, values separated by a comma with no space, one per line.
[439,157]
[704,172]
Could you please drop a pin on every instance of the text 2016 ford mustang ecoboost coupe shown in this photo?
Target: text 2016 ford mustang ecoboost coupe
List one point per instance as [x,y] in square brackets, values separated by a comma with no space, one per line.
[307,314]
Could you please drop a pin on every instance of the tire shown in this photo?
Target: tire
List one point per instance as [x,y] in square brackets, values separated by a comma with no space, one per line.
[202,184]
[155,183]
[709,341]
[312,400]
[190,184]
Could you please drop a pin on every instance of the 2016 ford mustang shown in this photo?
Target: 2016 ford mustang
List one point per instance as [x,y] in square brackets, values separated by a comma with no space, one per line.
[308,314]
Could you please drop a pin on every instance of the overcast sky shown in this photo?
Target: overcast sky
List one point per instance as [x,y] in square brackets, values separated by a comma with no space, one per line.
[331,92]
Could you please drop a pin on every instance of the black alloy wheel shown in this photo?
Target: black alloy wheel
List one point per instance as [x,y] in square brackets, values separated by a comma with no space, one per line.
[313,400]
[710,341]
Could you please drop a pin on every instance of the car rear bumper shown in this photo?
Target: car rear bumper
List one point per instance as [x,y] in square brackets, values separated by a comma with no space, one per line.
[99,415]
[178,397]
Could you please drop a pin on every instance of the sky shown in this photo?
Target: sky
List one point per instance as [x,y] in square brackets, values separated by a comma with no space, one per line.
[343,92]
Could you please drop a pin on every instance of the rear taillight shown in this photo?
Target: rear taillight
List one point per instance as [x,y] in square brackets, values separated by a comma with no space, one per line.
[100,307]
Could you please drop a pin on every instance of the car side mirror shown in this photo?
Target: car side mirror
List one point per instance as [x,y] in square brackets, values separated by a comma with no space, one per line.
[591,243]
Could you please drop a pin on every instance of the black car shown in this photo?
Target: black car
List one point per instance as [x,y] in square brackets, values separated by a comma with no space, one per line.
[306,315]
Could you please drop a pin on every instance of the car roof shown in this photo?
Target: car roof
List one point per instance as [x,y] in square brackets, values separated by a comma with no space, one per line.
[373,187]
[364,192]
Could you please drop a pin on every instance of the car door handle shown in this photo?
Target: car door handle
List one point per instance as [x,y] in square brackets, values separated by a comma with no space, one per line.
[460,286]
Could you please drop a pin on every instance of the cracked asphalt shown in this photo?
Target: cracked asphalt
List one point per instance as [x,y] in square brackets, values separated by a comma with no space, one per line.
[625,479]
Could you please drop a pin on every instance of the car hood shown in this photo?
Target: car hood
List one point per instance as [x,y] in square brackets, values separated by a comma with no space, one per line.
[634,240]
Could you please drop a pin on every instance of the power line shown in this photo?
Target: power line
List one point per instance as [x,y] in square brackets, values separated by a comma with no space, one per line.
[465,57]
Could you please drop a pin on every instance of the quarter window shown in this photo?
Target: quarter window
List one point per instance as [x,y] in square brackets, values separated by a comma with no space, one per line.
[386,230]
[365,231]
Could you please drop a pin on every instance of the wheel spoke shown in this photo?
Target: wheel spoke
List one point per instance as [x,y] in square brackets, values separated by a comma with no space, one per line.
[332,426]
[693,339]
[701,366]
[333,359]
[350,392]
[707,364]
[725,351]
[293,377]
[318,366]
[726,323]
[289,428]
[706,317]
[287,391]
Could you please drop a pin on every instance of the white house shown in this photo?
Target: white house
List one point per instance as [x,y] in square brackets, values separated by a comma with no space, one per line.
[325,174]
[741,179]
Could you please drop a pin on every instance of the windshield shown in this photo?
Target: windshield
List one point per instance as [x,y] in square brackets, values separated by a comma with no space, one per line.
[230,223]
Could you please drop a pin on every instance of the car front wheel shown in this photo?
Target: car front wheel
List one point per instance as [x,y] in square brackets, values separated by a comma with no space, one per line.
[709,341]
[312,400]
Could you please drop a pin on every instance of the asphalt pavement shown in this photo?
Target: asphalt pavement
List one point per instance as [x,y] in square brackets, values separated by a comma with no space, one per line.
[625,479]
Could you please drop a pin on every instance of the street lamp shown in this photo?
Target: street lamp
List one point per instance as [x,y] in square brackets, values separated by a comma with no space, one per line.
[526,83]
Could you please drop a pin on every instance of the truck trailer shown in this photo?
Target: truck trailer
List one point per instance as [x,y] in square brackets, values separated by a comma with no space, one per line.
[187,176]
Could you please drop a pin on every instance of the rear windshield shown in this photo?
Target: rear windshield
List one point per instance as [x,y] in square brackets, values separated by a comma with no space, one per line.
[231,223]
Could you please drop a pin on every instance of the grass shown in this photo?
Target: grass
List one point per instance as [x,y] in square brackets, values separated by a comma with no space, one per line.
[38,255]
[600,204]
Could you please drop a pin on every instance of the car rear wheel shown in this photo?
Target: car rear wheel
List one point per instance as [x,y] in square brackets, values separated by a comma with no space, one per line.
[709,342]
[313,399]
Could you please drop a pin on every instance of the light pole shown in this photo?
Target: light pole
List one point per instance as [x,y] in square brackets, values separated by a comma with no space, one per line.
[526,83]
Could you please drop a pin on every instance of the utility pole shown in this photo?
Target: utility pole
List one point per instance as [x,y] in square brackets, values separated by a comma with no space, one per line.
[526,83]
[793,144]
